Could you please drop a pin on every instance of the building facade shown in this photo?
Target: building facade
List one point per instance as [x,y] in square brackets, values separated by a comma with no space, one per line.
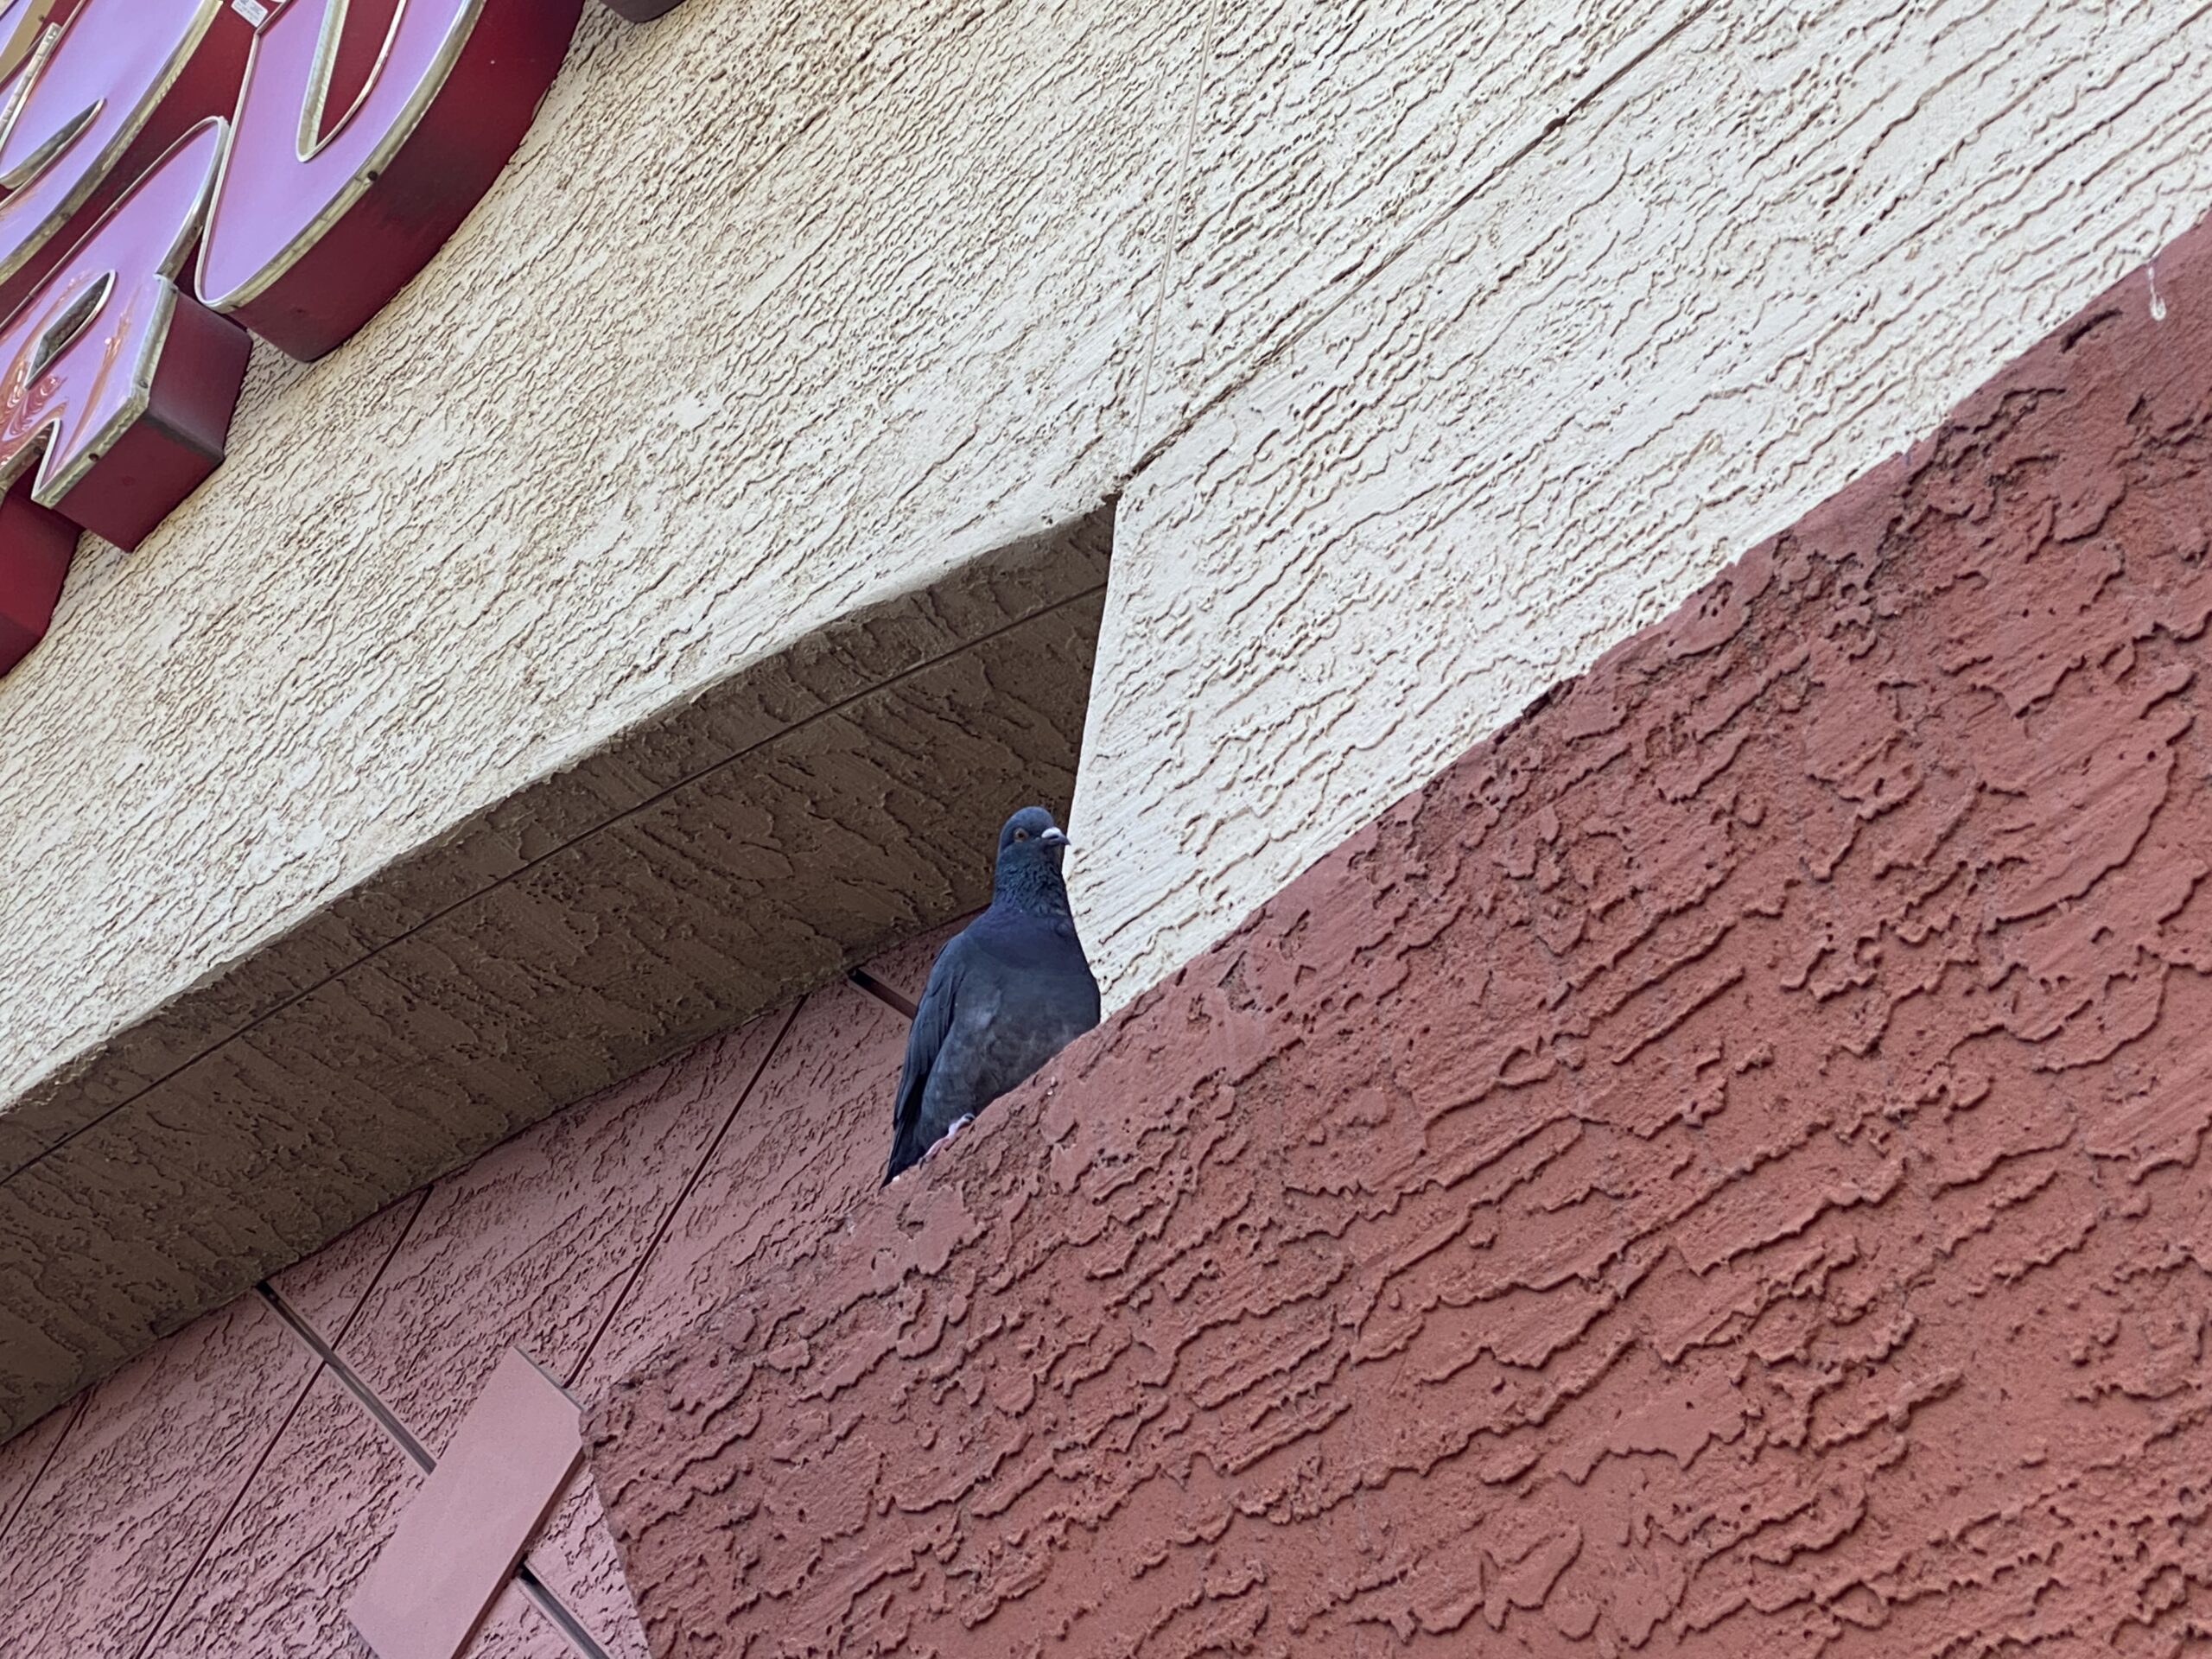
[1613,597]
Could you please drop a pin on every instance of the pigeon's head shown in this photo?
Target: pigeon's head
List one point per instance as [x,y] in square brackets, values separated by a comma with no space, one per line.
[1031,836]
[1028,874]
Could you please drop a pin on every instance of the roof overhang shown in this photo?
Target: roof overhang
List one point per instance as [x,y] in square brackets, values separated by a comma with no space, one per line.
[713,862]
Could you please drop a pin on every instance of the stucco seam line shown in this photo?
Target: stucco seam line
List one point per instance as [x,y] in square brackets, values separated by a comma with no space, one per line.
[828,712]
[1179,181]
[889,996]
[388,1420]
[23,1497]
[160,1621]
[668,1216]
[556,1612]
[346,1325]
[1626,60]
[299,1328]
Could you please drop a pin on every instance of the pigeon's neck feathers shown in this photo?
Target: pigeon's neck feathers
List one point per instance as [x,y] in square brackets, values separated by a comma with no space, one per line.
[1028,883]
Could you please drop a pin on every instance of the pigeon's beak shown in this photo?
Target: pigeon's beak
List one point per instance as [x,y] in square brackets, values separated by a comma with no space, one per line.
[1055,836]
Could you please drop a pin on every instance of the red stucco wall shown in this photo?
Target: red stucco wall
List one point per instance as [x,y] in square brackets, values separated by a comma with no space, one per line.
[1716,1171]
[219,1498]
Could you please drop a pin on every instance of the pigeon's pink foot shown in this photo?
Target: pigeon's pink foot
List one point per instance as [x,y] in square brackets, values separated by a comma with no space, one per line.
[958,1124]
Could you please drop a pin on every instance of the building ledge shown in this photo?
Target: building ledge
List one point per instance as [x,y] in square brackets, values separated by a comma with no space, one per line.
[715,861]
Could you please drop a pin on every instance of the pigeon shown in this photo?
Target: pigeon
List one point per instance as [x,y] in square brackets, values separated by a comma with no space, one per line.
[1007,993]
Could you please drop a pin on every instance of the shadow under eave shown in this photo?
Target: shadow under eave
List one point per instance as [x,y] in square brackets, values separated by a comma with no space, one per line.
[710,863]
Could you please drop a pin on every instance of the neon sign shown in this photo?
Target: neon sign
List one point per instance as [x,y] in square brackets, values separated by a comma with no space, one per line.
[134,131]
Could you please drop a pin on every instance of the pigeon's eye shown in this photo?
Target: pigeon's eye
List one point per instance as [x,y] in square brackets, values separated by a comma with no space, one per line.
[1022,835]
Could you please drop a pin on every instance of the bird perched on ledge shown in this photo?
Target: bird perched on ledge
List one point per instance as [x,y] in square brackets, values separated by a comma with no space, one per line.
[1009,991]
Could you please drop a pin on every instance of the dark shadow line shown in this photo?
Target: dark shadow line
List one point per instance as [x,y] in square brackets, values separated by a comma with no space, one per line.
[557,1612]
[23,1500]
[881,992]
[668,1220]
[565,1621]
[299,1328]
[353,1384]
[376,1280]
[161,1623]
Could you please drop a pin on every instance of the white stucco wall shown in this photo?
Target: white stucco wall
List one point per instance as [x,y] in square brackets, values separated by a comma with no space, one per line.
[1447,343]
[1775,247]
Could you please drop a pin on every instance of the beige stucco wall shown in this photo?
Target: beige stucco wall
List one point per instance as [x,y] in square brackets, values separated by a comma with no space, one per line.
[1767,251]
[781,308]
[1445,343]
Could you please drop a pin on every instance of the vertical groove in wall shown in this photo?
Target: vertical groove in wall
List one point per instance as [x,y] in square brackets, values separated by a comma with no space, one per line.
[350,1380]
[161,1618]
[556,1612]
[668,1219]
[1177,211]
[882,993]
[299,1327]
[422,1202]
[23,1498]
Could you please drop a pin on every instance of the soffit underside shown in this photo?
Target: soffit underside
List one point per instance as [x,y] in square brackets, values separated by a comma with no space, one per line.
[711,863]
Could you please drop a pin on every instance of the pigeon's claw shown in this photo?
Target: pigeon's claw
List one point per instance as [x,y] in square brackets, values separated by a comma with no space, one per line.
[945,1140]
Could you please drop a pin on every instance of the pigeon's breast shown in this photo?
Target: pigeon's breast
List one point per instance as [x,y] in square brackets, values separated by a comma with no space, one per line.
[1031,945]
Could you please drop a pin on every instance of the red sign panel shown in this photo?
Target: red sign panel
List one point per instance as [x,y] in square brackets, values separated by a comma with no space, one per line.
[312,234]
[132,131]
[109,86]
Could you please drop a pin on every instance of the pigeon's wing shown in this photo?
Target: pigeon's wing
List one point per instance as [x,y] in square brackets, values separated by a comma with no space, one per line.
[932,1019]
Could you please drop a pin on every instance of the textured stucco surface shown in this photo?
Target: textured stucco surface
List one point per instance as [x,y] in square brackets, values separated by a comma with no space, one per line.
[276,1575]
[24,1457]
[808,1144]
[1444,346]
[1718,1169]
[530,1244]
[715,364]
[572,665]
[224,1493]
[563,962]
[574,1558]
[712,371]
[113,1507]
[1557,378]
[161,1448]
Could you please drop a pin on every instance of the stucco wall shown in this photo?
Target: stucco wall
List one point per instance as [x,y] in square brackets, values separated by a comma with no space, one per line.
[1564,379]
[778,311]
[1441,344]
[707,868]
[1717,1171]
[221,1496]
